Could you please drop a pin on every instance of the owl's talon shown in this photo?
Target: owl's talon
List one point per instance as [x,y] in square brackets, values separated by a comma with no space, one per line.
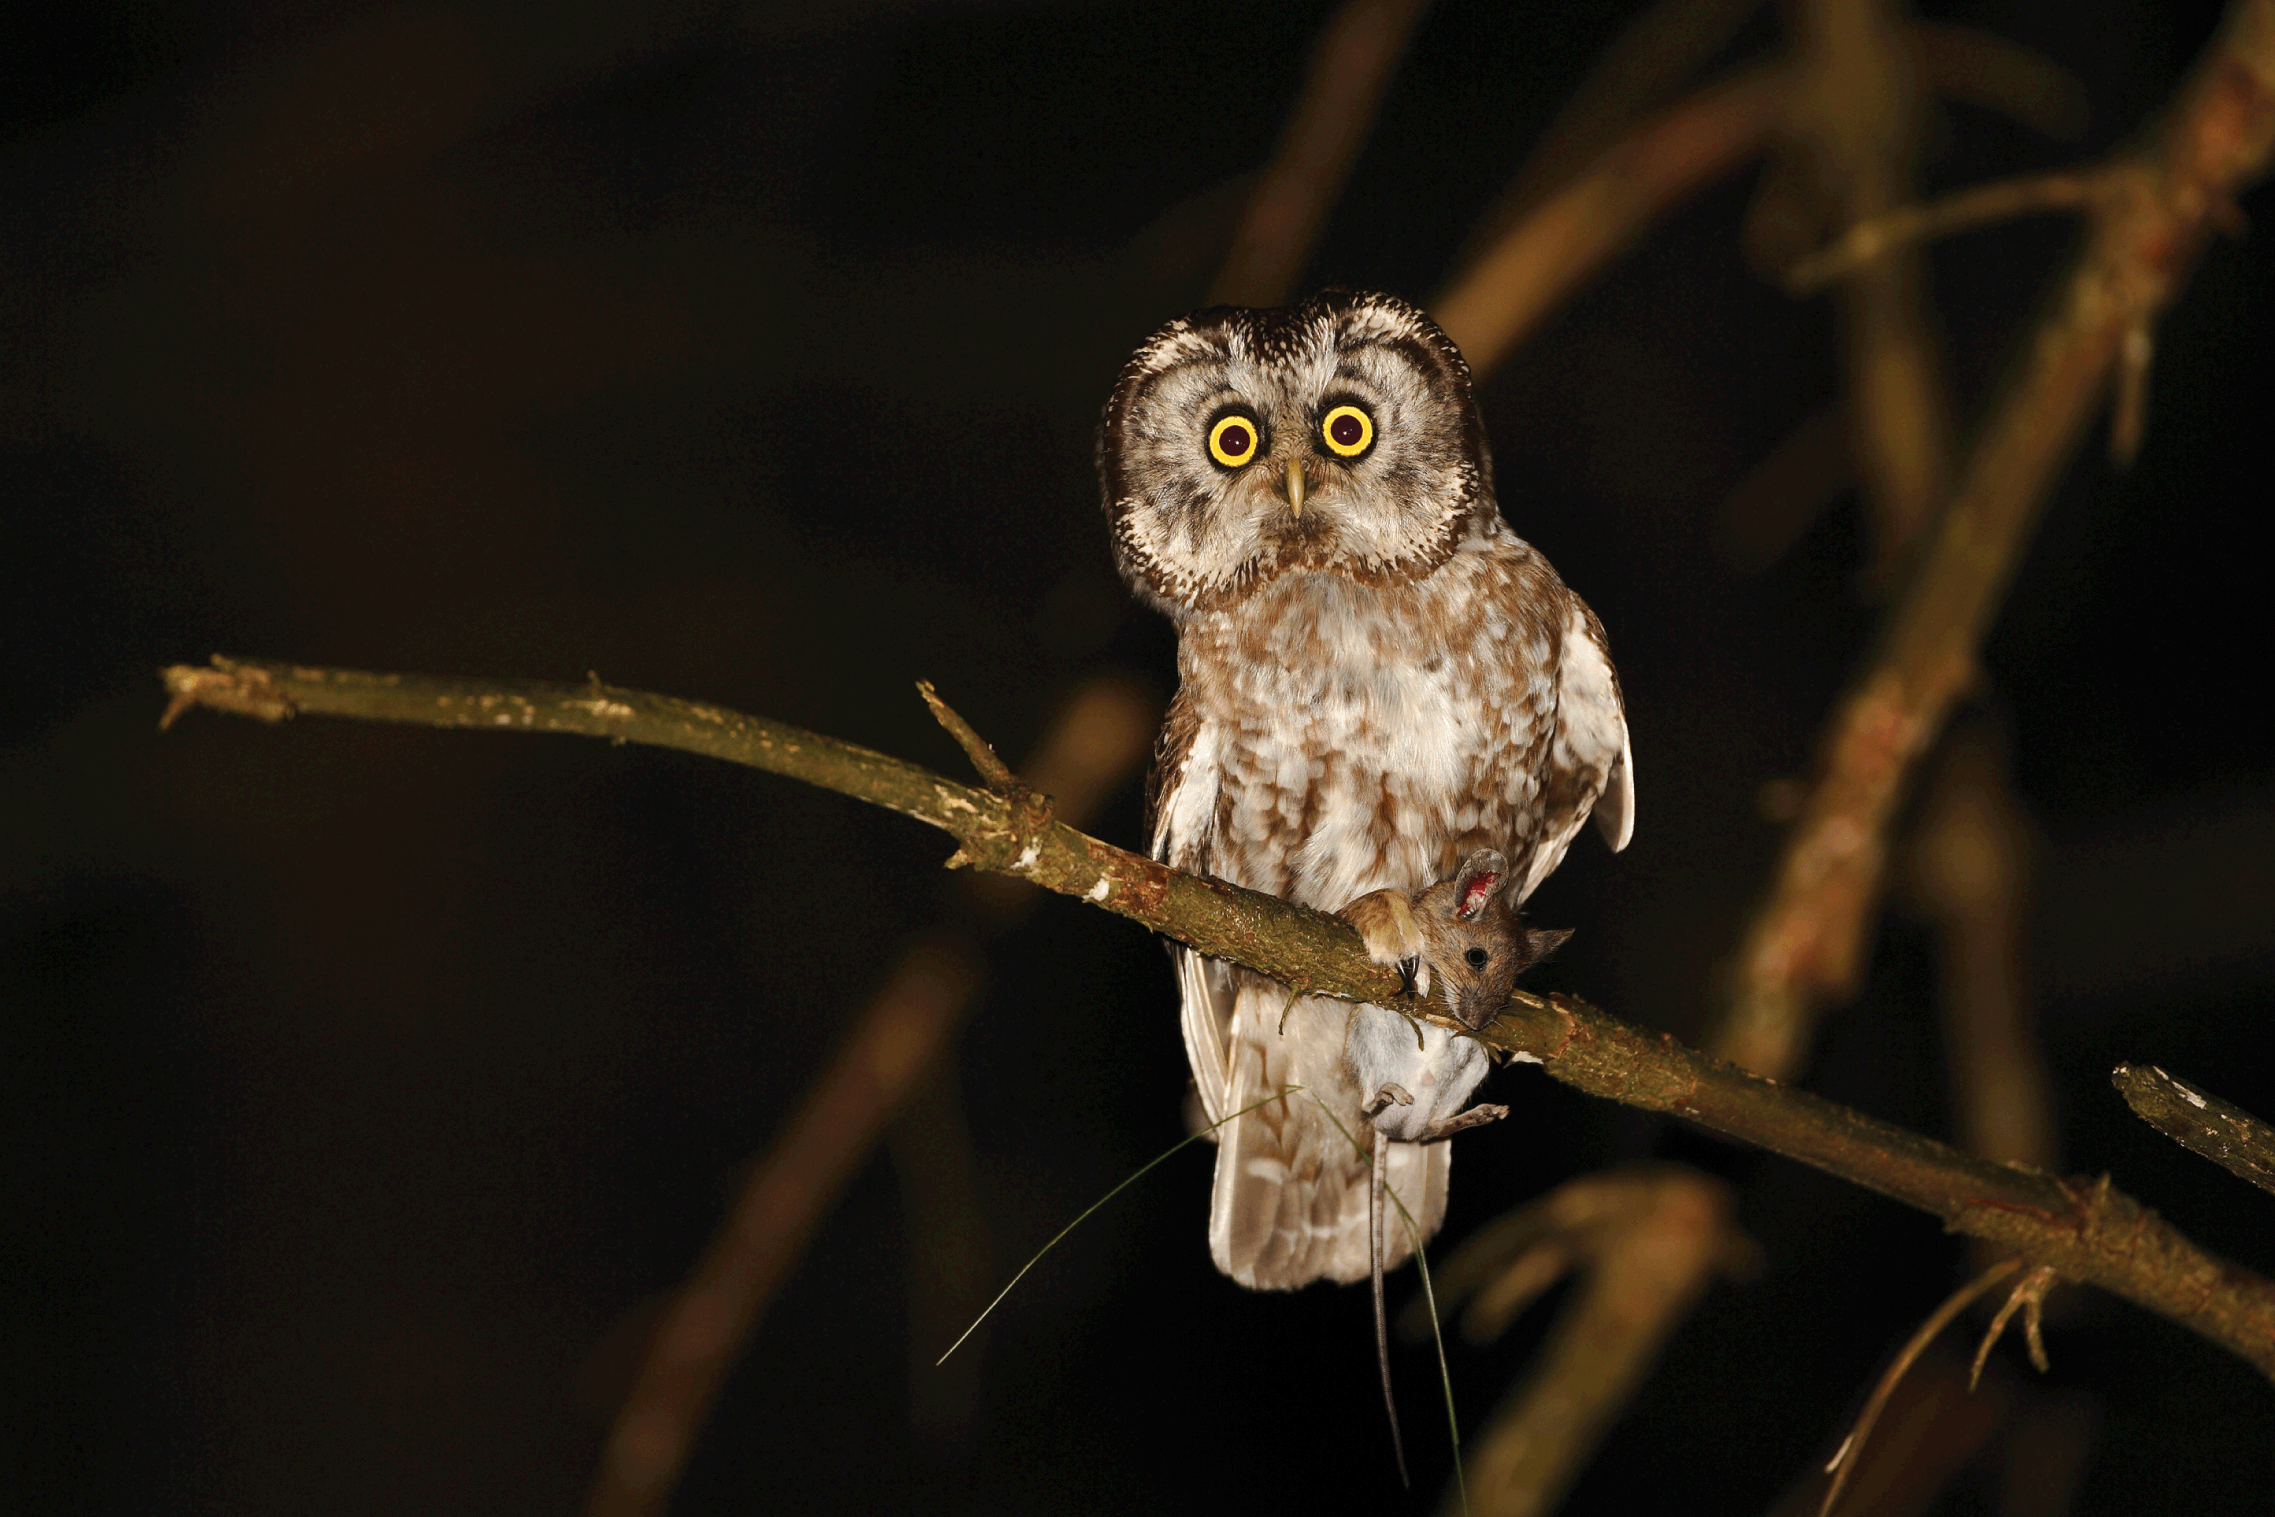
[1393,938]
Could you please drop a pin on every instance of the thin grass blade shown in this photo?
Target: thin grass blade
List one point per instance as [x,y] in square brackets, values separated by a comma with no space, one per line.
[1101,1201]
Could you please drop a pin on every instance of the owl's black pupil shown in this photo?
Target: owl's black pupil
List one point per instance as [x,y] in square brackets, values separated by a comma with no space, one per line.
[1476,957]
[1234,440]
[1346,430]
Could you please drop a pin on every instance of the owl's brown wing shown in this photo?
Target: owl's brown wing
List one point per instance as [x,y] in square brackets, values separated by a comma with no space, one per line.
[1591,764]
[1180,805]
[1172,763]
[1204,1010]
[1290,1202]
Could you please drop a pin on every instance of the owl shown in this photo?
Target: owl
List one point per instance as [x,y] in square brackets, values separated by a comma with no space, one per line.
[1381,689]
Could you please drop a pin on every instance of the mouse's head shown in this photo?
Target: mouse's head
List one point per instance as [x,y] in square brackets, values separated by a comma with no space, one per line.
[1476,945]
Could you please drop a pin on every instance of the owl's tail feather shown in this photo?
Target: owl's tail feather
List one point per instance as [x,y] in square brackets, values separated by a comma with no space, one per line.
[1292,1177]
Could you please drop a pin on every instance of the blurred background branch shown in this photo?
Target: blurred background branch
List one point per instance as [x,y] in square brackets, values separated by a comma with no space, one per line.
[897,1051]
[1858,114]
[1351,68]
[1971,862]
[1869,240]
[1574,231]
[707,1322]
[1807,942]
[1645,1242]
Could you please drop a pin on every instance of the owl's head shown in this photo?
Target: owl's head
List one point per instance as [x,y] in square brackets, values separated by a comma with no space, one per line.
[1338,436]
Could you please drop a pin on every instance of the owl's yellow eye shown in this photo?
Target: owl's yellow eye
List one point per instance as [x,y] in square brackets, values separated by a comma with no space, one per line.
[1347,431]
[1232,441]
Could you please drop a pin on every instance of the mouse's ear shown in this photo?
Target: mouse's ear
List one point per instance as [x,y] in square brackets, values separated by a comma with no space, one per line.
[1540,942]
[1483,874]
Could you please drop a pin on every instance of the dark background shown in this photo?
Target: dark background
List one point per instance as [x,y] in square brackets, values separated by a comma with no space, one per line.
[360,1085]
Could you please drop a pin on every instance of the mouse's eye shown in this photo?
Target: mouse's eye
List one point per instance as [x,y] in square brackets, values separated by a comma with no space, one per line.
[1477,958]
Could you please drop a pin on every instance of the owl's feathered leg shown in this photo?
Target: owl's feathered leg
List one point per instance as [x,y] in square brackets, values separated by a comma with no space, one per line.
[1383,1098]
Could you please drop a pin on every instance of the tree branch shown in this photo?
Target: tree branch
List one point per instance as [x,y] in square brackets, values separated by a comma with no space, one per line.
[2200,1122]
[2087,1232]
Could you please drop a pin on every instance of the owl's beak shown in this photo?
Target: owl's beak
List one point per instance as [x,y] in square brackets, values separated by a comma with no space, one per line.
[1295,485]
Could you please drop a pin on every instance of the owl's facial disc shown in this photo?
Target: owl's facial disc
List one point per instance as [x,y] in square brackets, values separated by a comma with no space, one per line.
[1335,437]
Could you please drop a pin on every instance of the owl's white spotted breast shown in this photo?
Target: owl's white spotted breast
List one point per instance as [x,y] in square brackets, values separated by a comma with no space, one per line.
[1345,738]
